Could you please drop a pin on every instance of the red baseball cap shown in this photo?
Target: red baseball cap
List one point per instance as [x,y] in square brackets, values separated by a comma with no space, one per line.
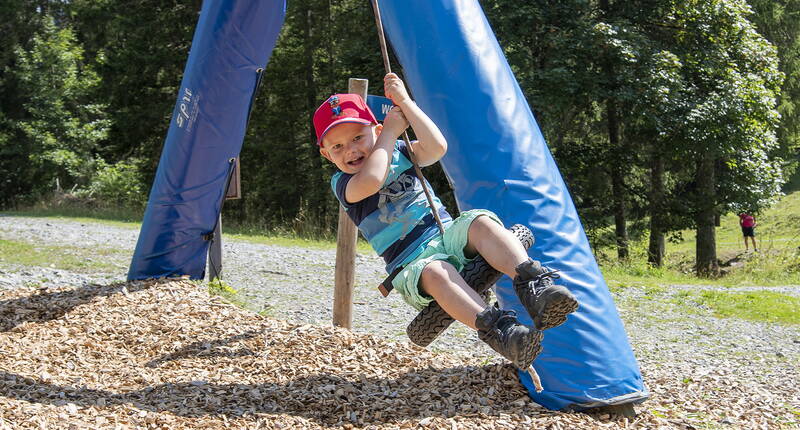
[338,109]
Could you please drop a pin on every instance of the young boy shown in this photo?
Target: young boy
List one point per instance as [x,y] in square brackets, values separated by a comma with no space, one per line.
[379,189]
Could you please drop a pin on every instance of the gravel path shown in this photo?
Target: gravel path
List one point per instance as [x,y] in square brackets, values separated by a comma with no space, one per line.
[296,285]
[288,283]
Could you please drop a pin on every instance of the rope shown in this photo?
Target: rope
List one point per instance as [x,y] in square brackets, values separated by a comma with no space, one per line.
[388,67]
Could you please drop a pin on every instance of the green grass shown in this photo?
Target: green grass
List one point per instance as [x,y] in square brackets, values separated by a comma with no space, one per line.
[778,229]
[764,306]
[776,263]
[132,220]
[218,287]
[64,258]
[774,268]
[286,240]
[116,218]
[637,273]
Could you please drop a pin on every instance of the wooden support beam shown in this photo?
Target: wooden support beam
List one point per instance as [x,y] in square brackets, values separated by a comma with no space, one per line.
[215,252]
[347,234]
[234,191]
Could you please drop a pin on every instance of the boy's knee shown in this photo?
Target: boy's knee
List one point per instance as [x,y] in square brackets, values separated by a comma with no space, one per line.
[436,271]
[480,228]
[483,222]
[484,226]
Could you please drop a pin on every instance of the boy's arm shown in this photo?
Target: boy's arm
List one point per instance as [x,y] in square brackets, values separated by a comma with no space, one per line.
[431,144]
[371,177]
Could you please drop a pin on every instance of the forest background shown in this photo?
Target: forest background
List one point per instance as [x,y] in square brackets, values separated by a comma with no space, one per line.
[662,115]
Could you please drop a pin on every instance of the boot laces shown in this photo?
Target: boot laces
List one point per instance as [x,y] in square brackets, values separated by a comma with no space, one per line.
[545,279]
[506,318]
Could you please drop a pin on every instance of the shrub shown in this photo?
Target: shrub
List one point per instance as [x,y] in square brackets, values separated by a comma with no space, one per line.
[118,184]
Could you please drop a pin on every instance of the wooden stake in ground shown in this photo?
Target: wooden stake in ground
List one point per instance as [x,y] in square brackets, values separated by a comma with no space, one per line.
[344,279]
[537,383]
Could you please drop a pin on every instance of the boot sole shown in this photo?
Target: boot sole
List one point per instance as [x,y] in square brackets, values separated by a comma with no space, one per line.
[525,362]
[558,305]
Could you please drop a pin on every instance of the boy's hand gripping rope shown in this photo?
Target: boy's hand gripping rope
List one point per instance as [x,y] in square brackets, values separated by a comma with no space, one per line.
[388,67]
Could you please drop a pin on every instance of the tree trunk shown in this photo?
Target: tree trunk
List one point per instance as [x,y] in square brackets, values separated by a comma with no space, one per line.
[613,158]
[314,198]
[311,84]
[655,251]
[706,234]
[620,227]
[617,183]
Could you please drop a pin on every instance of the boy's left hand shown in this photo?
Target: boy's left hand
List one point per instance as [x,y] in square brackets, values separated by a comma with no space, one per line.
[394,88]
[395,122]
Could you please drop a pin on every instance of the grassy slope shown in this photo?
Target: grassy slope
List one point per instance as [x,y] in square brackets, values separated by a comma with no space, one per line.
[777,262]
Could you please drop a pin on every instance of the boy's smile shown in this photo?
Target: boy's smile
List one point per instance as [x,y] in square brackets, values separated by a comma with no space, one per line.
[348,145]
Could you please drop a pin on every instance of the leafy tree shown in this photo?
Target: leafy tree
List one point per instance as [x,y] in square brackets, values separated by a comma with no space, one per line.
[579,66]
[779,22]
[730,84]
[59,126]
[19,21]
[651,107]
[669,83]
[550,47]
[139,50]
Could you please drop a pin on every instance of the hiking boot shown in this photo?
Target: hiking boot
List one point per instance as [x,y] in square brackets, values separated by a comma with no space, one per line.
[548,304]
[500,329]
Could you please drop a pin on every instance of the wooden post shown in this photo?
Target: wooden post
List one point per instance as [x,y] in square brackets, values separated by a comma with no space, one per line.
[234,191]
[346,237]
[215,252]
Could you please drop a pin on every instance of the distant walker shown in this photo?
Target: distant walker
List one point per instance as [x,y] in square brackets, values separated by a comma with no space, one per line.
[748,224]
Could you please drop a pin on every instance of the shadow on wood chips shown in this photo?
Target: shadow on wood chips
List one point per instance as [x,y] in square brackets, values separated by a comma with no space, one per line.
[45,305]
[165,354]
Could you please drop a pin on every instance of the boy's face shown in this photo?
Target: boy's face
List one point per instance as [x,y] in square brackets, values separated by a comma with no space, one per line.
[348,145]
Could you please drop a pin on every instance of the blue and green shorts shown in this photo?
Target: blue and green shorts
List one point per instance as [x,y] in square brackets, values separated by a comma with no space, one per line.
[449,248]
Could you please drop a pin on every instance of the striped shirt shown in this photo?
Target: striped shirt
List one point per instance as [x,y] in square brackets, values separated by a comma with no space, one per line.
[397,220]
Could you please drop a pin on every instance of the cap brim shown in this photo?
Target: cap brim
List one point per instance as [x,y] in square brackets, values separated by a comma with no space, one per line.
[342,121]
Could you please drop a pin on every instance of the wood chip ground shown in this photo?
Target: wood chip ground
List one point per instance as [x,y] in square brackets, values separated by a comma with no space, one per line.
[166,355]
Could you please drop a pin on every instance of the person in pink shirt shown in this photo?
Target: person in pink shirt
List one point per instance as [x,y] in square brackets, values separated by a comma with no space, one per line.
[748,224]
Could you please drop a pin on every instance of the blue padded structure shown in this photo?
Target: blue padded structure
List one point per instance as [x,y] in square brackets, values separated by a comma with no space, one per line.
[498,160]
[232,42]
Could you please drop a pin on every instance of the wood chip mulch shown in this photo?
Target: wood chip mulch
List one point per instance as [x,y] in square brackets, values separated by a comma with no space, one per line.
[166,355]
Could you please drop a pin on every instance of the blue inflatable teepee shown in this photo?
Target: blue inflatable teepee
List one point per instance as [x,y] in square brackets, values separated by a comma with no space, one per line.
[231,46]
[498,160]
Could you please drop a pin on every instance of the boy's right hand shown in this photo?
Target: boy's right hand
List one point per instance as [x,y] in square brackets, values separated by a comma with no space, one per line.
[395,89]
[395,122]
